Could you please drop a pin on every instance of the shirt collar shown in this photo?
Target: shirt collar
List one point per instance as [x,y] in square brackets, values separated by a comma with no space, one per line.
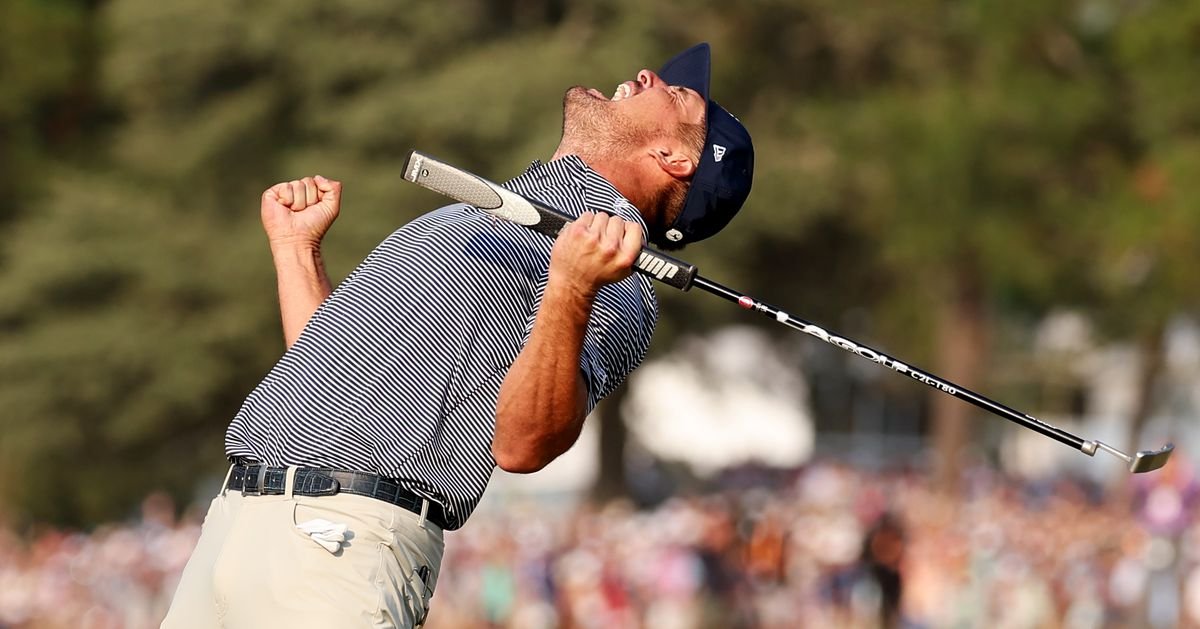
[571,175]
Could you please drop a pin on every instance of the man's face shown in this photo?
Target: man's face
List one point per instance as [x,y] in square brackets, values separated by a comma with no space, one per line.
[639,112]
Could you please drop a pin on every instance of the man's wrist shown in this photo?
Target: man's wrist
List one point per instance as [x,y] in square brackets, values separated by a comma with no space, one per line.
[294,244]
[571,288]
[306,254]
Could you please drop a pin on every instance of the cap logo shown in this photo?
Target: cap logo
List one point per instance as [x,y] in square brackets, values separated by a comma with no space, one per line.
[718,152]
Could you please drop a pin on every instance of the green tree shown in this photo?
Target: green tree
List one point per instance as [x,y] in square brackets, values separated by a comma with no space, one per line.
[45,99]
[1145,257]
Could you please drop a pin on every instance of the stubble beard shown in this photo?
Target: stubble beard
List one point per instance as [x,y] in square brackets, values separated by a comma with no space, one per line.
[594,129]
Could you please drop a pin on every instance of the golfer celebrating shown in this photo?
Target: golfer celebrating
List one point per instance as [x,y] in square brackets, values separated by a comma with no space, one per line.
[461,343]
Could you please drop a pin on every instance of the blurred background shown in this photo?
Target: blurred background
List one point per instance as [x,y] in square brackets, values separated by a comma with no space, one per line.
[1005,193]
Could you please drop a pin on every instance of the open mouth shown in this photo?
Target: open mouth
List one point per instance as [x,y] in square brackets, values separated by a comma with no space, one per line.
[623,91]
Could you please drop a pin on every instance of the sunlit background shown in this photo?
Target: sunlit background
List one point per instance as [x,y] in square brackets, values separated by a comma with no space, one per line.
[1005,193]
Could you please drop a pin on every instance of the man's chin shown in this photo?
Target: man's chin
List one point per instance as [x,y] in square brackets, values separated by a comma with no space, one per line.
[586,119]
[579,99]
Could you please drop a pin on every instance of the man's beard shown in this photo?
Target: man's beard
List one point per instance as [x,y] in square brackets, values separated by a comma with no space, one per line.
[595,129]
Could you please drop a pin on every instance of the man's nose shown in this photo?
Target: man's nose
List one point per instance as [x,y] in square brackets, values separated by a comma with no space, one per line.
[648,79]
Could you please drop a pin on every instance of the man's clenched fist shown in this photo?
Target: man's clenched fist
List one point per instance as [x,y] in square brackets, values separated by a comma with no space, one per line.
[594,250]
[300,211]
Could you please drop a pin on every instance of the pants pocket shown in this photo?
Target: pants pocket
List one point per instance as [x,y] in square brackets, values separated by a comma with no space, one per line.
[405,585]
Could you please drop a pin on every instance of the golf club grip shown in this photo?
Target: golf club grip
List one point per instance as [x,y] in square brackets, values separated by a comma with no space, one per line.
[484,195]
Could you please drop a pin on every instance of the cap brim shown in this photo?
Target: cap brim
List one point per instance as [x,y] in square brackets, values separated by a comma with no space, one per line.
[690,68]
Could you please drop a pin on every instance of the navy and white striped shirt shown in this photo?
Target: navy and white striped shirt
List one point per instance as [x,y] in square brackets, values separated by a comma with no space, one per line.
[398,371]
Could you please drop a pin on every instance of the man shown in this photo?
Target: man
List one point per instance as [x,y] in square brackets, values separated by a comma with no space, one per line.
[461,343]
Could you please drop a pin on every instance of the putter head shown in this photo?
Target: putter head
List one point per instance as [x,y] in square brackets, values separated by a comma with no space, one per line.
[1150,460]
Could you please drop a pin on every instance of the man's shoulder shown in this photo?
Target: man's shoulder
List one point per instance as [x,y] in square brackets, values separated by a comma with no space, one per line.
[458,218]
[459,234]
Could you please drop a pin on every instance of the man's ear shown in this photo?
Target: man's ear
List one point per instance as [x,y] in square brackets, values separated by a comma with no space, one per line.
[674,162]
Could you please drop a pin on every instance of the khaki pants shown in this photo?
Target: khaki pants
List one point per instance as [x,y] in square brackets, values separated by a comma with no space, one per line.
[253,568]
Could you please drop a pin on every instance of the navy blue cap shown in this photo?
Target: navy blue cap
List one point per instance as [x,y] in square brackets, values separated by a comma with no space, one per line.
[722,180]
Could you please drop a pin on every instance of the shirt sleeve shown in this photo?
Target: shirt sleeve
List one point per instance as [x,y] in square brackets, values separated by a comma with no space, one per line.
[618,335]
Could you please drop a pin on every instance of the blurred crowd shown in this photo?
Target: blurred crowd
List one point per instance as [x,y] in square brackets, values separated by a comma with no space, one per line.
[117,576]
[835,546]
[825,546]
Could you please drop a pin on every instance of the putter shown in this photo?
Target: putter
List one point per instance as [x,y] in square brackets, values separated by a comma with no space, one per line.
[488,197]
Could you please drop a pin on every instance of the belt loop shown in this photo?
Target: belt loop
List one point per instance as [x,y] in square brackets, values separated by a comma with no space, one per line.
[225,483]
[424,512]
[289,482]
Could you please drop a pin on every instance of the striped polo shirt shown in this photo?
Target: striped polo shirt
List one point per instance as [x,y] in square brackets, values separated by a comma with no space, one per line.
[399,369]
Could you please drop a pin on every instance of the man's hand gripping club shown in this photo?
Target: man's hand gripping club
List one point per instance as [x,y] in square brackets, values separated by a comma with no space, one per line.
[595,250]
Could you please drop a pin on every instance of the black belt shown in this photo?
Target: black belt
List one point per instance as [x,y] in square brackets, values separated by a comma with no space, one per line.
[260,480]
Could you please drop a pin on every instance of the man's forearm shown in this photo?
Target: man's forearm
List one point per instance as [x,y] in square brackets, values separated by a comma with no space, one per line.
[543,399]
[303,285]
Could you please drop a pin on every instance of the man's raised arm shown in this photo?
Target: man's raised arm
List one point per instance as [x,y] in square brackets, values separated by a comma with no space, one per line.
[296,215]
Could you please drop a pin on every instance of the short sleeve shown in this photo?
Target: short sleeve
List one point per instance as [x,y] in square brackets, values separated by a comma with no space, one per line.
[618,335]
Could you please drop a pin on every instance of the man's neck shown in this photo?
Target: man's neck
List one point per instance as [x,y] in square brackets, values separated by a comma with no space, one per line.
[624,175]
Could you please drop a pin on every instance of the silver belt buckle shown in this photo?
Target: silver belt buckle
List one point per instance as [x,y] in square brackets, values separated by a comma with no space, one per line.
[258,487]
